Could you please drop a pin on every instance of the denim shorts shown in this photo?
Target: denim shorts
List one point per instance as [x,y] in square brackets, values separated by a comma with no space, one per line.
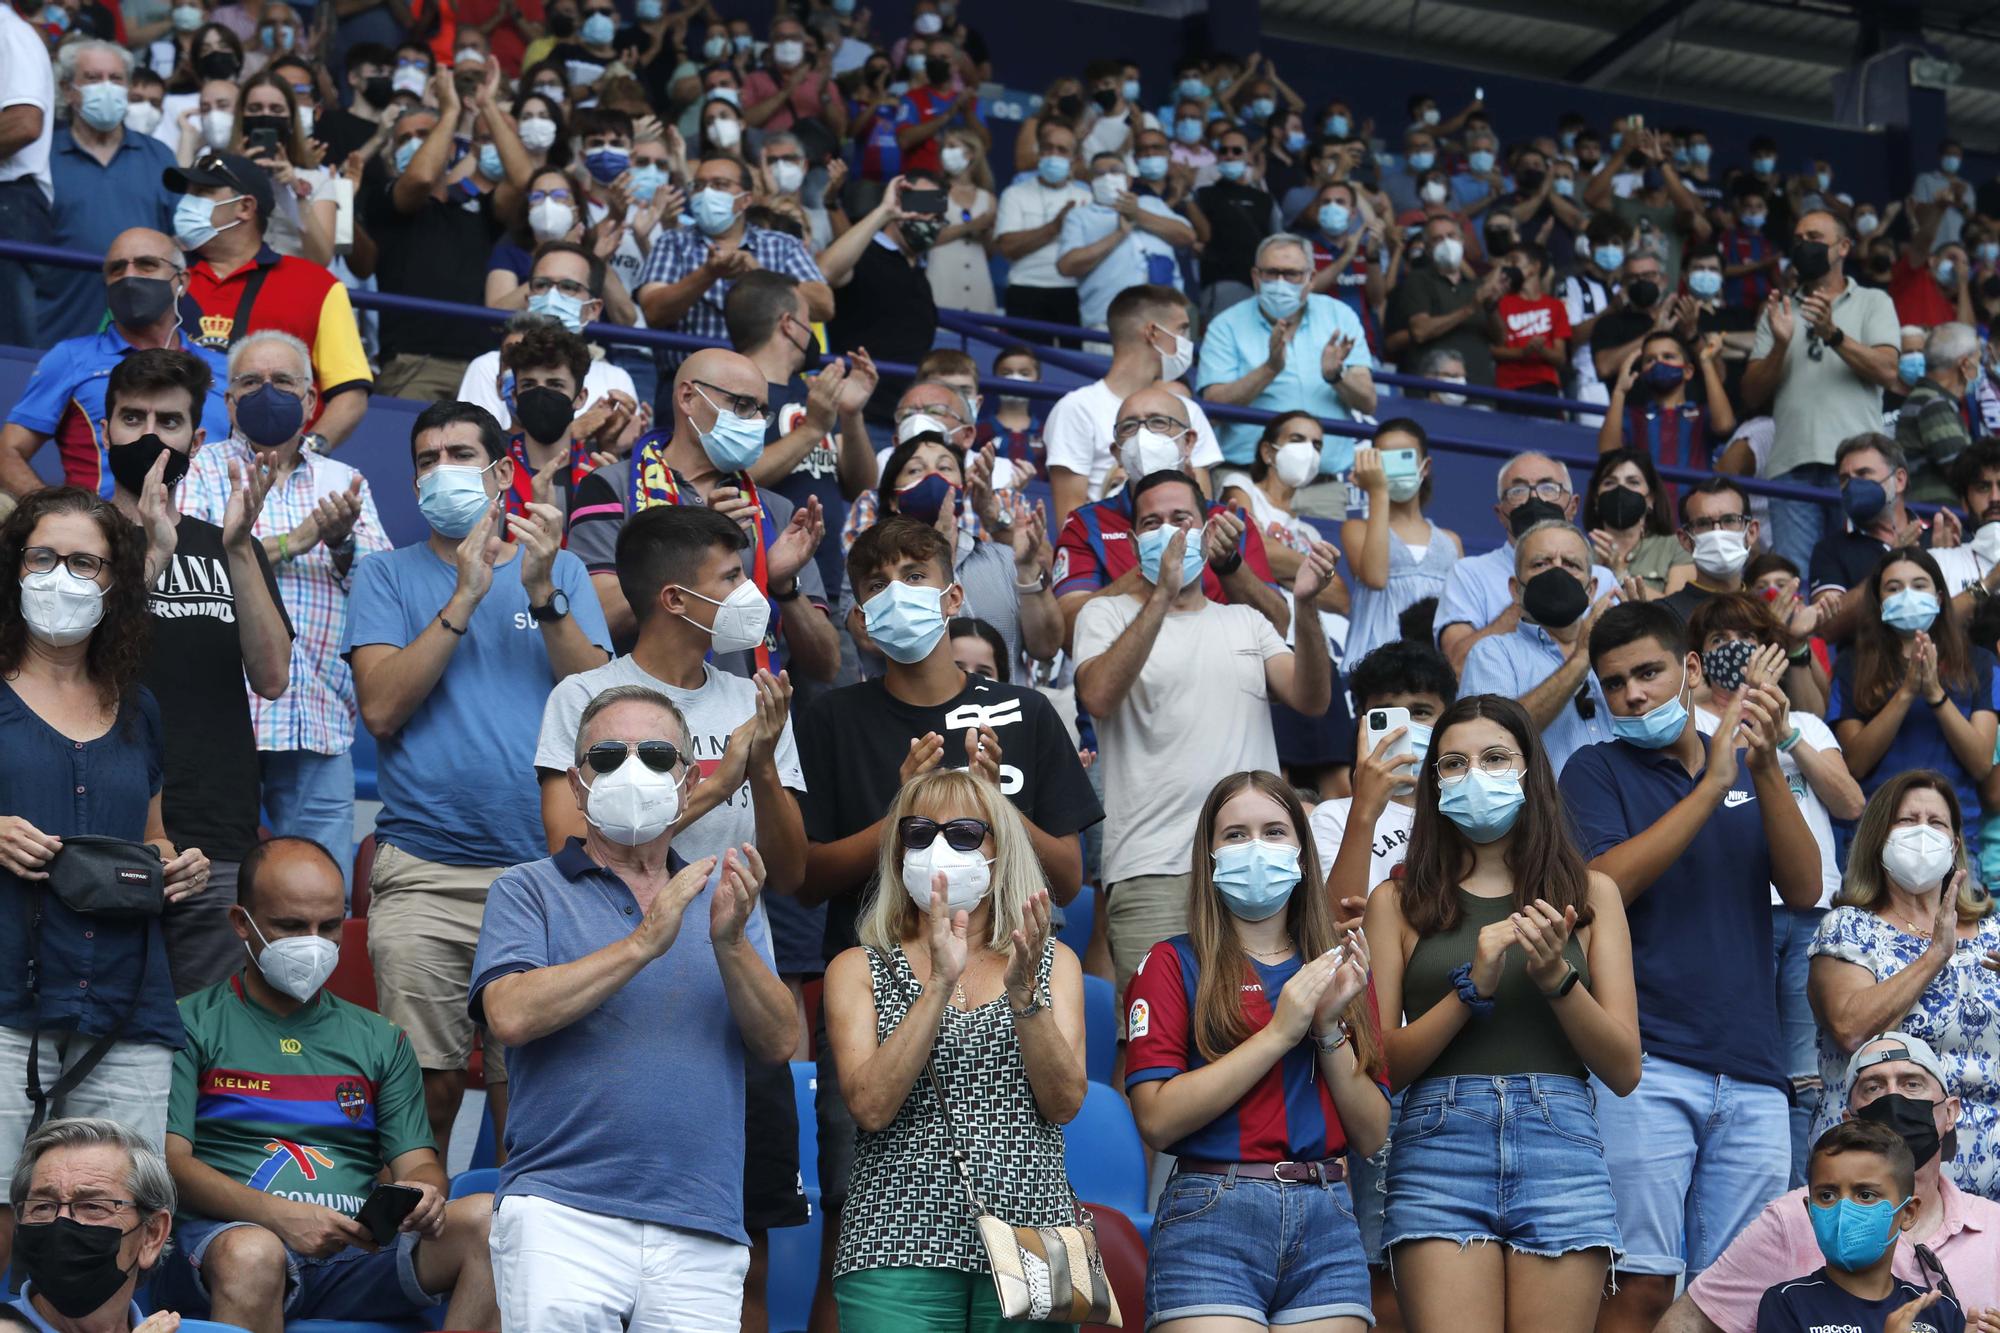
[1262,1250]
[1515,1159]
[349,1284]
[1367,1181]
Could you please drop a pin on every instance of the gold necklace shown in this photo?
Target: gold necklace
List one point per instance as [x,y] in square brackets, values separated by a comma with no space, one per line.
[1278,954]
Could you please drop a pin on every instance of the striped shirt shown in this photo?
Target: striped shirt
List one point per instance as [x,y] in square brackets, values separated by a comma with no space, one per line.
[678,253]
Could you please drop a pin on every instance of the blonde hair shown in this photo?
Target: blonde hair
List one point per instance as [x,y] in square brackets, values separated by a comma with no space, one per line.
[978,170]
[889,917]
[1866,885]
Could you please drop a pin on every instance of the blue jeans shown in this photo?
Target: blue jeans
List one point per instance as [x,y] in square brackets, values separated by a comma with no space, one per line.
[24,216]
[1694,1156]
[1797,525]
[1261,1250]
[310,795]
[1792,931]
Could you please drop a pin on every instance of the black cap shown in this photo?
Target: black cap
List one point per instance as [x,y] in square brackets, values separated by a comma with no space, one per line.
[228,170]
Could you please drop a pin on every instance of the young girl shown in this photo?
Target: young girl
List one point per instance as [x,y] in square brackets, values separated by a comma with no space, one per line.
[1512,964]
[1397,555]
[957,265]
[1253,1058]
[1625,513]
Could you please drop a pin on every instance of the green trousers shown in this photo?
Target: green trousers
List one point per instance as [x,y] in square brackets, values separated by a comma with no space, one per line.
[926,1300]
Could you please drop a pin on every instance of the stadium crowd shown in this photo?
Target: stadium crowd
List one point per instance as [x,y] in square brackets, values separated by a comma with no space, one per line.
[1579,924]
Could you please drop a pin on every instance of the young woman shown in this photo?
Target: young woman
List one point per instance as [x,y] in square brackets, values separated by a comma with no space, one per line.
[957,971]
[539,120]
[1512,963]
[1397,555]
[302,222]
[1625,513]
[1254,1059]
[208,124]
[960,277]
[556,205]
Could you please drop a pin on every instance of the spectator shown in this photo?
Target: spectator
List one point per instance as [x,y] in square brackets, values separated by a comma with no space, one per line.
[1874,491]
[1659,208]
[1947,190]
[931,405]
[1530,328]
[1118,241]
[1153,668]
[429,684]
[267,1231]
[1032,213]
[105,181]
[1930,281]
[144,281]
[1419,156]
[1542,204]
[877,265]
[1483,884]
[317,519]
[348,129]
[1588,292]
[1116,117]
[554,446]
[1752,260]
[1014,426]
[1285,348]
[1641,304]
[1735,323]
[27,125]
[86,1166]
[693,465]
[1719,533]
[970,926]
[1234,214]
[978,650]
[1694,850]
[1255,909]
[939,102]
[957,266]
[1479,185]
[1968,567]
[1441,306]
[1662,420]
[1814,398]
[791,90]
[1397,555]
[564,289]
[1896,1080]
[1931,428]
[1625,514]
[567,979]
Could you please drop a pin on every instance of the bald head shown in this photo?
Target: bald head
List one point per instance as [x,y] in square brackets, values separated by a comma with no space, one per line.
[722,368]
[713,383]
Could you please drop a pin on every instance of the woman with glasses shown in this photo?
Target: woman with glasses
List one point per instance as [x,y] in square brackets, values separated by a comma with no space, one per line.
[957,1028]
[83,748]
[1625,513]
[1396,554]
[1503,970]
[555,212]
[1255,1061]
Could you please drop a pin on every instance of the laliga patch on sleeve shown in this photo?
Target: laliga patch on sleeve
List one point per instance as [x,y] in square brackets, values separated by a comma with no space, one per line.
[1138,1021]
[1061,570]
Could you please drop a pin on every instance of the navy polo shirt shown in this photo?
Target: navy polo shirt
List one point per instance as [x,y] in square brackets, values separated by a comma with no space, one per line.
[1701,935]
[94,201]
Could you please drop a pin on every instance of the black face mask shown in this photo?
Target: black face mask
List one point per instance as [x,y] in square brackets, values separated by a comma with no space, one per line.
[131,462]
[136,302]
[1515,278]
[219,65]
[279,125]
[1642,293]
[1106,98]
[545,413]
[1554,599]
[1989,287]
[1621,507]
[939,72]
[562,23]
[1527,182]
[922,233]
[74,1265]
[1533,510]
[1914,1120]
[1811,259]
[376,91]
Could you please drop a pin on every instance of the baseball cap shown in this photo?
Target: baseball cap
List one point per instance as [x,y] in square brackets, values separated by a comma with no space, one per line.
[1891,1046]
[228,170]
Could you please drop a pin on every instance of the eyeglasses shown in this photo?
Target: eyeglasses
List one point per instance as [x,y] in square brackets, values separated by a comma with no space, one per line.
[42,559]
[90,1212]
[1159,424]
[607,756]
[1494,762]
[560,196]
[1283,274]
[924,410]
[1225,150]
[567,286]
[961,835]
[146,266]
[1724,522]
[741,404]
[250,380]
[1555,492]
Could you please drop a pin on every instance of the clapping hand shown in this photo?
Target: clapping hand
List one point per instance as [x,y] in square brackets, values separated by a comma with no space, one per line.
[949,945]
[158,518]
[982,752]
[926,753]
[656,931]
[249,482]
[1316,573]
[801,537]
[1944,925]
[1024,960]
[1542,933]
[1299,1002]
[336,513]
[735,895]
[1778,309]
[538,531]
[1350,978]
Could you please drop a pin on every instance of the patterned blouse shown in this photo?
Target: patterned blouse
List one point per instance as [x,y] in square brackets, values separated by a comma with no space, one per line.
[1958,1014]
[905,1205]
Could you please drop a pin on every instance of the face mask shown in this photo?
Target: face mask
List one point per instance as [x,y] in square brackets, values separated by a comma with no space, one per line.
[131,462]
[714,210]
[906,622]
[1764,166]
[1423,161]
[649,11]
[1913,1119]
[732,443]
[647,180]
[406,153]
[187,18]
[545,414]
[1620,508]
[1295,140]
[1566,187]
[1554,599]
[409,79]
[1657,728]
[939,72]
[1297,463]
[1106,189]
[915,62]
[1256,879]
[1863,498]
[137,302]
[1705,282]
[1263,108]
[551,220]
[928,24]
[632,805]
[1643,293]
[1909,610]
[1333,219]
[597,30]
[1192,86]
[1405,487]
[102,105]
[788,53]
[715,48]
[1949,164]
[1910,367]
[741,619]
[276,38]
[538,134]
[926,499]
[606,164]
[267,416]
[1854,1235]
[922,233]
[1918,857]
[216,128]
[1232,170]
[1131,90]
[1105,98]
[60,609]
[1448,397]
[1148,452]
[1448,253]
[1722,666]
[1337,125]
[954,158]
[490,165]
[1865,224]
[1608,257]
[1752,221]
[297,965]
[1529,512]
[1483,805]
[1480,162]
[1153,546]
[142,118]
[1812,259]
[219,65]
[1430,116]
[74,1265]
[377,91]
[725,131]
[1721,555]
[1280,300]
[1055,170]
[451,497]
[1175,364]
[968,876]
[1433,192]
[1947,272]
[1663,377]
[1188,130]
[1153,167]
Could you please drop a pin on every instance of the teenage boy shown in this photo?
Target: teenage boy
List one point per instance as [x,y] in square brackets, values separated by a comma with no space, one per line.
[1659,420]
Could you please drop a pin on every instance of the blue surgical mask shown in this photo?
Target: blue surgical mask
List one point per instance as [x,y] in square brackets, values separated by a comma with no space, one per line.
[1188,130]
[606,164]
[1988,251]
[1947,272]
[1263,108]
[598,29]
[1909,610]
[1421,162]
[1232,170]
[1337,125]
[1680,157]
[649,11]
[1656,728]
[568,309]
[452,496]
[1295,140]
[1609,257]
[56,17]
[1333,219]
[1949,164]
[734,442]
[103,105]
[1910,367]
[1854,1235]
[1280,300]
[1568,140]
[905,620]
[1419,736]
[1700,153]
[1256,879]
[490,165]
[1823,180]
[1705,282]
[1754,221]
[844,6]
[1564,186]
[1192,86]
[192,225]
[646,182]
[1480,161]
[1151,168]
[1054,170]
[1153,545]
[714,211]
[407,154]
[1763,166]
[1131,90]
[1617,140]
[1483,805]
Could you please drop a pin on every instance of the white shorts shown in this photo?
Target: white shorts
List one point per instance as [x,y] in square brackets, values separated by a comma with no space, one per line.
[557,1267]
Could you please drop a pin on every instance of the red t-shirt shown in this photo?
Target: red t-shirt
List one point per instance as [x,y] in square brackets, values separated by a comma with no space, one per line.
[1522,319]
[1084,565]
[1919,300]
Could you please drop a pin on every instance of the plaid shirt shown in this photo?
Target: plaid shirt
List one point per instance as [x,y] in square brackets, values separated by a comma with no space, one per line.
[317,713]
[680,252]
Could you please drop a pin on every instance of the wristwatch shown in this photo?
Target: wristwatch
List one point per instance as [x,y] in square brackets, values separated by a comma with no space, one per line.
[554,609]
[1566,985]
[1227,565]
[790,596]
[1034,1006]
[1835,339]
[316,442]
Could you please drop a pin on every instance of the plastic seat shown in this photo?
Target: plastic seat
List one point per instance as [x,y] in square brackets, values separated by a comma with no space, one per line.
[350,1326]
[1105,1156]
[1077,918]
[484,1153]
[475,1180]
[805,1084]
[792,1276]
[1124,1254]
[209,1326]
[1100,1028]
[364,865]
[353,978]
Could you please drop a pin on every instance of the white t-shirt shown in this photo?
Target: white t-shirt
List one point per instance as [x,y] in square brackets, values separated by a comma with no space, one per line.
[1077,434]
[1584,297]
[1112,135]
[1391,842]
[1758,433]
[1198,709]
[1026,205]
[1814,732]
[27,78]
[481,385]
[1961,567]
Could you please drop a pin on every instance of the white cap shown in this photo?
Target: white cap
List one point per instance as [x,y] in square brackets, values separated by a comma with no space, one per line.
[1891,1046]
[920,423]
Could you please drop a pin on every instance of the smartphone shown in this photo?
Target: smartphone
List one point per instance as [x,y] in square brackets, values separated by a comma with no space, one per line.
[1398,463]
[1379,722]
[1479,94]
[385,1210]
[262,141]
[924,201]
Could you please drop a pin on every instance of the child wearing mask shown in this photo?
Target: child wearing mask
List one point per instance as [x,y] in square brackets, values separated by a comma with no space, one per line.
[1530,328]
[1652,412]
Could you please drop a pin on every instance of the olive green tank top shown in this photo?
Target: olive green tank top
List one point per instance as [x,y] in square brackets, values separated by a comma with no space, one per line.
[1522,1035]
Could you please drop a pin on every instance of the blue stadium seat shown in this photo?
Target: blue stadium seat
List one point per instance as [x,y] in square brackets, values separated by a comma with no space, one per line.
[805,1079]
[1105,1156]
[792,1275]
[209,1326]
[346,1326]
[477,1180]
[1100,1028]
[1076,920]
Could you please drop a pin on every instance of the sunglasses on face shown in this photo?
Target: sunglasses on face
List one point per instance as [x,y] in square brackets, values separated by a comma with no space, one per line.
[606,756]
[961,835]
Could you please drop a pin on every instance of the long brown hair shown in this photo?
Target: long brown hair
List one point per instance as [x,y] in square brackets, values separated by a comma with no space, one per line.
[1541,857]
[1878,649]
[1219,1024]
[122,640]
[1866,884]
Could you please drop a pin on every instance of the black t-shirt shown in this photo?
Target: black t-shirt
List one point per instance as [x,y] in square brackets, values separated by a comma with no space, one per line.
[195,670]
[439,252]
[1844,560]
[1814,1304]
[342,132]
[1615,328]
[886,308]
[818,473]
[852,743]
[1239,216]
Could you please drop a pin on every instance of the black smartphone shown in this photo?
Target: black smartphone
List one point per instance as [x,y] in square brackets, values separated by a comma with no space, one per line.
[262,141]
[929,202]
[385,1210]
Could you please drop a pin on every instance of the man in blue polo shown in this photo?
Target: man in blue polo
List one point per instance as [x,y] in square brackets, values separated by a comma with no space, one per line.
[1695,836]
[145,279]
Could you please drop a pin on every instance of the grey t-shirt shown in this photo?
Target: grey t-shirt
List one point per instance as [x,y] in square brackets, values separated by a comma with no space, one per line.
[1821,401]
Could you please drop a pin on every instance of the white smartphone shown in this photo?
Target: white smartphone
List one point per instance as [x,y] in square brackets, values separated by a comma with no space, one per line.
[1479,94]
[1379,722]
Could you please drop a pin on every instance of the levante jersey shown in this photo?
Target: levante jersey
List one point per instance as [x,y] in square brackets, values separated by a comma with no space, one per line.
[310,1107]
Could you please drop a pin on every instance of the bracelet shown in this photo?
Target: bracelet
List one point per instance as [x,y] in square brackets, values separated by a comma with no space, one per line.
[1038,584]
[1799,655]
[1224,568]
[448,625]
[1943,698]
[1468,993]
[1329,1047]
[284,548]
[1790,740]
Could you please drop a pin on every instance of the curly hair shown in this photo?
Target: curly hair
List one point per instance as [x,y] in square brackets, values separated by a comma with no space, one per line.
[119,646]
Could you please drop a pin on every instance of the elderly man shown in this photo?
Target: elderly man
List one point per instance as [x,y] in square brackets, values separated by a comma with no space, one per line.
[318,519]
[581,956]
[98,1176]
[1118,240]
[793,88]
[1442,305]
[1894,1080]
[144,280]
[106,181]
[1931,427]
[288,1104]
